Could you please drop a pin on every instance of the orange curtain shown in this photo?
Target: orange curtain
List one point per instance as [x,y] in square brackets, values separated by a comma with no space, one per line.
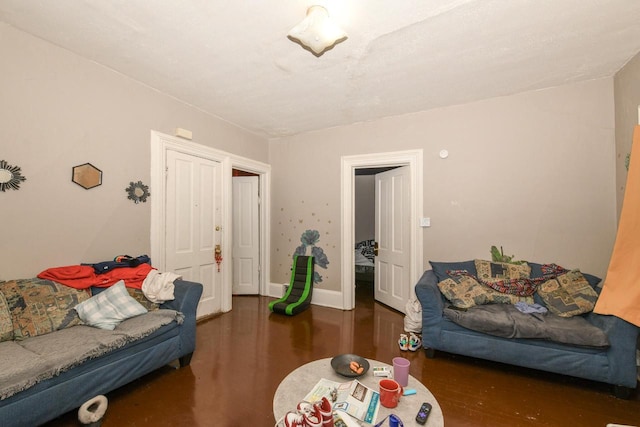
[621,290]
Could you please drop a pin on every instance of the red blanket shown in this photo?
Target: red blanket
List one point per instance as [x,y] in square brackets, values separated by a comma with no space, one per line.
[84,276]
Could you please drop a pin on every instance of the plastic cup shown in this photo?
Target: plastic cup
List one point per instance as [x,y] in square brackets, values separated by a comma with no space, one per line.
[401,370]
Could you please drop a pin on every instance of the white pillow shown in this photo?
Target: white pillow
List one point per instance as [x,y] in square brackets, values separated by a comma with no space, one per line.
[110,307]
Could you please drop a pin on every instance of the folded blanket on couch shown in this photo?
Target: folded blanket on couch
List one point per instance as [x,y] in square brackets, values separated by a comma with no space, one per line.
[505,320]
[26,363]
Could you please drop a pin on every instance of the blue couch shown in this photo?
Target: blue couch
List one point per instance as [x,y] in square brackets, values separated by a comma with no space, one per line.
[55,396]
[615,365]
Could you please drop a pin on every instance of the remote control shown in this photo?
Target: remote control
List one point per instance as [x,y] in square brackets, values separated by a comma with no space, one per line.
[423,413]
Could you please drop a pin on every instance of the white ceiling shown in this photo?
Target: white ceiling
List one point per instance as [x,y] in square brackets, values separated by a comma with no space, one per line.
[233,59]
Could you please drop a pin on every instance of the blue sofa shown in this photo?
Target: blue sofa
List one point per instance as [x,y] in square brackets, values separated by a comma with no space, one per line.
[614,365]
[67,391]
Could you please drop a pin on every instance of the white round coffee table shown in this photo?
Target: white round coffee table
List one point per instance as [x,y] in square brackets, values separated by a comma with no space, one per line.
[295,386]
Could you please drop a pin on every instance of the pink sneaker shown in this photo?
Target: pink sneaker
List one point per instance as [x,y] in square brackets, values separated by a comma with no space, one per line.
[326,412]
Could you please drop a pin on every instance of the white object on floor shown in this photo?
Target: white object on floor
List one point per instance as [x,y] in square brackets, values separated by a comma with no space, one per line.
[93,410]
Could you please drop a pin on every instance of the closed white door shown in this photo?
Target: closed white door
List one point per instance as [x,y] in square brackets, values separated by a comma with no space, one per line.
[392,228]
[246,236]
[193,224]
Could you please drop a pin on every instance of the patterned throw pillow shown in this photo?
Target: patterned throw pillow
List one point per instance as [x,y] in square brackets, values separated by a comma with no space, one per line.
[6,324]
[39,306]
[464,291]
[109,308]
[497,271]
[568,294]
[138,295]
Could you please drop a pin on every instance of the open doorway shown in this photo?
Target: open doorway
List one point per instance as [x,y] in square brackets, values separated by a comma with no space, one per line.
[365,231]
[392,160]
[245,251]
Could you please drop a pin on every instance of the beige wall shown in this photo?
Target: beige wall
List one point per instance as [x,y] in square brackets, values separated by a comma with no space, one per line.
[533,172]
[58,110]
[364,207]
[627,100]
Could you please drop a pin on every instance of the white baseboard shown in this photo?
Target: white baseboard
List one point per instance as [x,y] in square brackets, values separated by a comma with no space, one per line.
[322,297]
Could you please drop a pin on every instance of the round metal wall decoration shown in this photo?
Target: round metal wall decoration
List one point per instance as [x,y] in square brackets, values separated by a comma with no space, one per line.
[10,177]
[138,192]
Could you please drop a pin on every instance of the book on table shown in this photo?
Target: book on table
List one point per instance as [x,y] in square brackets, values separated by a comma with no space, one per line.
[352,397]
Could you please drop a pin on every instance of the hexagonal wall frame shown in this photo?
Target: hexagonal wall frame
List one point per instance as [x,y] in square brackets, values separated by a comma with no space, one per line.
[86,176]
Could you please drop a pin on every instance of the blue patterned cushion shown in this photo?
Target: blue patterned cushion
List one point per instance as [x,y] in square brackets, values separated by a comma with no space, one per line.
[109,308]
[6,324]
[568,294]
[464,291]
[441,268]
[40,306]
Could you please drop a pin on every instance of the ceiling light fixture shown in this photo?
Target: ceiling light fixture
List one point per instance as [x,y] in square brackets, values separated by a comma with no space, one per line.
[317,32]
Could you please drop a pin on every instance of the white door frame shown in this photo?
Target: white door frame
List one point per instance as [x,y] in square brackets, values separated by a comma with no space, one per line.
[160,143]
[411,158]
[264,188]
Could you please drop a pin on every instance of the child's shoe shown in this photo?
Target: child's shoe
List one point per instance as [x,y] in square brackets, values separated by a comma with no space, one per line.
[414,342]
[403,342]
[325,410]
[294,419]
[311,414]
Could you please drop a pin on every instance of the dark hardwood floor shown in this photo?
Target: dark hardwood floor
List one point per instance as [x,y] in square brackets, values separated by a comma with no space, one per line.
[242,356]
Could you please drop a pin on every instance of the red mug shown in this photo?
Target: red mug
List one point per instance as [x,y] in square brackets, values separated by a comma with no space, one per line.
[390,392]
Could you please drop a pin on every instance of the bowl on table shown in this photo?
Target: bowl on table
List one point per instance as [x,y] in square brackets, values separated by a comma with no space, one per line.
[344,365]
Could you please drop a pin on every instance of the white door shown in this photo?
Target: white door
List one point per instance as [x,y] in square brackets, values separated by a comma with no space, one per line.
[246,236]
[392,233]
[193,218]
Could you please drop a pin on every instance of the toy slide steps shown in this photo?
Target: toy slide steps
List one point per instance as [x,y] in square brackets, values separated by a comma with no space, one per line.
[298,295]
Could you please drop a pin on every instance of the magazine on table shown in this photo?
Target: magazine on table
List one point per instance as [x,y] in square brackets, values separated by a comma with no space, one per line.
[352,397]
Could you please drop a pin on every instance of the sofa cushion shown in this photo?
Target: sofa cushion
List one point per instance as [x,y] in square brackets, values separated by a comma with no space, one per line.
[6,324]
[508,322]
[497,271]
[536,271]
[568,294]
[441,268]
[109,308]
[138,295]
[41,306]
[464,291]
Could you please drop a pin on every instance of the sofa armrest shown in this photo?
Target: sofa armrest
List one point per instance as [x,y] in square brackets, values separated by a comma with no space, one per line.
[623,338]
[430,299]
[186,297]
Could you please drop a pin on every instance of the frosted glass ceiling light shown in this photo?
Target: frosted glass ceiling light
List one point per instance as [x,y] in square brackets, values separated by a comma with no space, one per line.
[317,32]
